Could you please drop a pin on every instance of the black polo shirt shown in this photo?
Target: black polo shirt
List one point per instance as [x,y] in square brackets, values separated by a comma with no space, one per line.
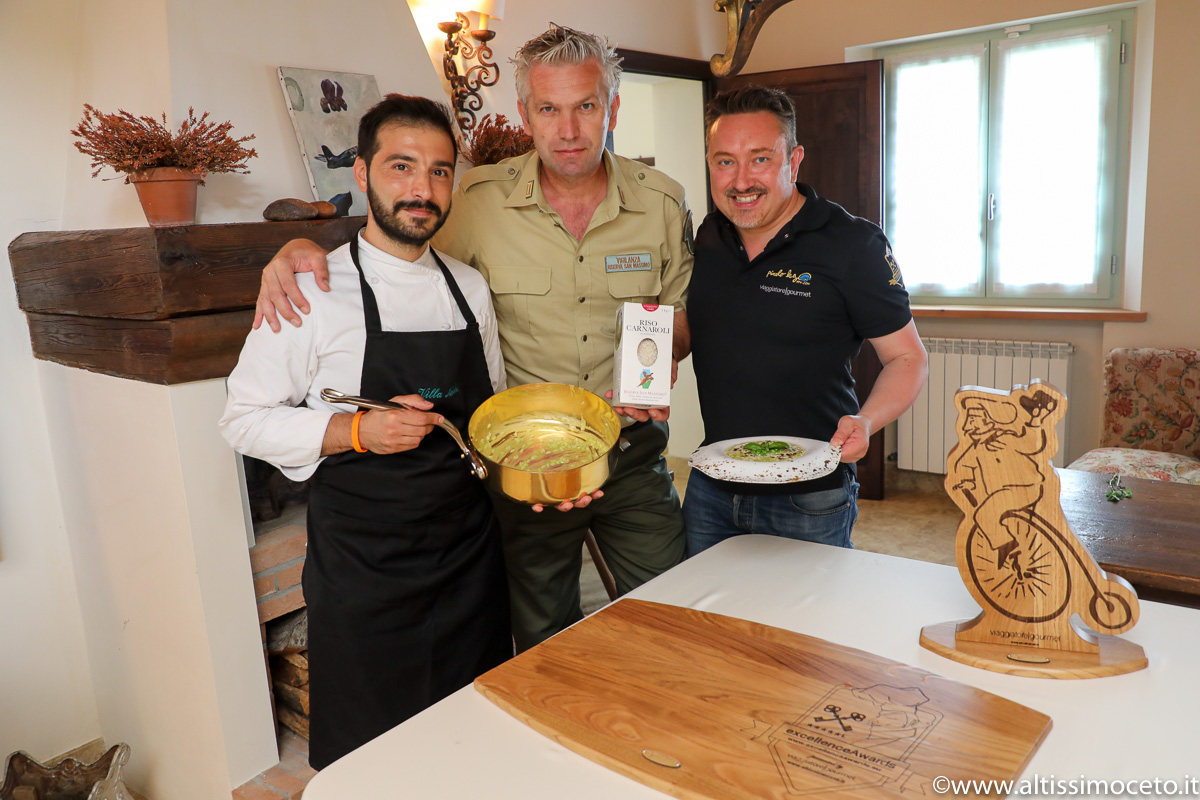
[772,338]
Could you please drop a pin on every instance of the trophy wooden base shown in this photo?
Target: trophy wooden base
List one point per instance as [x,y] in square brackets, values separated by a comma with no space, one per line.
[1116,656]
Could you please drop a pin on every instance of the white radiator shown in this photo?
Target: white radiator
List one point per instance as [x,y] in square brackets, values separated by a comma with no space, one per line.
[926,432]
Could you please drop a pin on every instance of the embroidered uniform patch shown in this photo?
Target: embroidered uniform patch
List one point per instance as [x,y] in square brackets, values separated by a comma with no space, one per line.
[895,268]
[634,262]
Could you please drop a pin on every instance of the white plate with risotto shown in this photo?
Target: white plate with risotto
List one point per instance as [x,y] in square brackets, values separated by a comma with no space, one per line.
[766,459]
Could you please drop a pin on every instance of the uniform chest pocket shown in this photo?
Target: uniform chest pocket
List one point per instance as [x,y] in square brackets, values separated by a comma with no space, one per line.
[635,287]
[513,287]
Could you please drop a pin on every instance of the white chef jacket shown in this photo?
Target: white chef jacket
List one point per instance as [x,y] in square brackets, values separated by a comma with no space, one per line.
[276,372]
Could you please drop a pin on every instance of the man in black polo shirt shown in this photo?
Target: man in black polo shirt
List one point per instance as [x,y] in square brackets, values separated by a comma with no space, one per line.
[785,288]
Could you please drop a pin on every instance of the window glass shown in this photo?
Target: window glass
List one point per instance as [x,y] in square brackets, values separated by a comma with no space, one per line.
[1003,162]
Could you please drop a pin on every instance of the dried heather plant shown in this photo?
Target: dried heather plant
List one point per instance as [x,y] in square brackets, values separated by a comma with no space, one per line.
[494,140]
[127,144]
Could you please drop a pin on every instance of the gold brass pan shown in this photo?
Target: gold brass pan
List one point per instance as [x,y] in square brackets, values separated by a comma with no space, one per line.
[537,443]
[541,417]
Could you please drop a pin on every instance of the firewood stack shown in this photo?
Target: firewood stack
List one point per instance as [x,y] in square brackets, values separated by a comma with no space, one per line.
[287,659]
[289,680]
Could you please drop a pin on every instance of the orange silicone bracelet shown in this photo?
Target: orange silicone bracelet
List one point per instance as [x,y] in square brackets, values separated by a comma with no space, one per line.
[354,432]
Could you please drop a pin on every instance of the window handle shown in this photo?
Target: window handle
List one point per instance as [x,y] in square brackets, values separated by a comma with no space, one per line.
[991,207]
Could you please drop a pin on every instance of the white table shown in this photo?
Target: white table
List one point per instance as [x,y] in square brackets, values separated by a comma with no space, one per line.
[1141,726]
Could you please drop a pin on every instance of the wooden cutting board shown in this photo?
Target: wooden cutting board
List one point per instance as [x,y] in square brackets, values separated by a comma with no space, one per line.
[699,705]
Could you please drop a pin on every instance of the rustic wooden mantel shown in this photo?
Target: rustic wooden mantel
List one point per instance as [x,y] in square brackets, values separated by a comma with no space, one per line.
[161,305]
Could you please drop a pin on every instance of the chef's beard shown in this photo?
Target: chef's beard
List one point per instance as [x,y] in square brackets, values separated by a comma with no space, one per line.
[405,233]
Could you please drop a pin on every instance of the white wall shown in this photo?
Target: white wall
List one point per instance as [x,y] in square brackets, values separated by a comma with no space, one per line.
[679,139]
[1170,277]
[120,60]
[46,701]
[634,140]
[164,577]
[686,28]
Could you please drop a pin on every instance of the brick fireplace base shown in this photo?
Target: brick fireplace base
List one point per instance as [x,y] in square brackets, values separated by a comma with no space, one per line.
[277,560]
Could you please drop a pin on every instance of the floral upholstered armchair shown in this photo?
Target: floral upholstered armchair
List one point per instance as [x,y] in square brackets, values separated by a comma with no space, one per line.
[1151,416]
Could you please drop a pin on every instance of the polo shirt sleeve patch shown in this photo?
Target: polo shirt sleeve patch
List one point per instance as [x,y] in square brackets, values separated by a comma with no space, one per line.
[897,279]
[880,305]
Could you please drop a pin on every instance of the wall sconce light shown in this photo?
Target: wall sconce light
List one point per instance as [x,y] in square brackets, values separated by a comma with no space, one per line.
[465,86]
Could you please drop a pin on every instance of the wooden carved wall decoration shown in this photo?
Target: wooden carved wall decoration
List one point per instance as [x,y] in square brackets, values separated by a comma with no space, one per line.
[1049,611]
[744,20]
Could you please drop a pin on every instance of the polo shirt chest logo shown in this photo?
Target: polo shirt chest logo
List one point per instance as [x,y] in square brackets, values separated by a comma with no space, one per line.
[634,262]
[788,282]
[803,278]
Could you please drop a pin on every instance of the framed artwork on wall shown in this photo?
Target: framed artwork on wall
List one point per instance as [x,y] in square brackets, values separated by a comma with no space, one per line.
[325,108]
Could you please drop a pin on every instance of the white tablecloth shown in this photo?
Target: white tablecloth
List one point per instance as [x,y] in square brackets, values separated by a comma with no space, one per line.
[1140,726]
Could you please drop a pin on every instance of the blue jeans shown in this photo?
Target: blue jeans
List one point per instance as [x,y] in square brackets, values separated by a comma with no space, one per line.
[713,515]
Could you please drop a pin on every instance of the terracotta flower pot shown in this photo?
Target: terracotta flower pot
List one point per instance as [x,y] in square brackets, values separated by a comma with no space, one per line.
[167,194]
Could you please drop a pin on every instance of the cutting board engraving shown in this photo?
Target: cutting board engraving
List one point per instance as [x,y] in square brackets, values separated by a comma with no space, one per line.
[853,737]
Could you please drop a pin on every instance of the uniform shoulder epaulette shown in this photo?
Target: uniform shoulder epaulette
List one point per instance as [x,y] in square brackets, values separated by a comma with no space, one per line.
[504,171]
[658,181]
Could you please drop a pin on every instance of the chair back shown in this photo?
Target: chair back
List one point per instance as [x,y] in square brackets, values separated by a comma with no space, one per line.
[1152,400]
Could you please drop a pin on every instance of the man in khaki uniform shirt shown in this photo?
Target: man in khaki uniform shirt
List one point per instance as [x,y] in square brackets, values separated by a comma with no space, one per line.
[546,229]
[556,297]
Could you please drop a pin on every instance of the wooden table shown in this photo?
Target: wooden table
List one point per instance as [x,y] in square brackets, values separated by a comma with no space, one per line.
[1151,539]
[1139,726]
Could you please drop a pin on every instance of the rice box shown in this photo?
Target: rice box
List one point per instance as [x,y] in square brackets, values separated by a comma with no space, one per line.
[642,374]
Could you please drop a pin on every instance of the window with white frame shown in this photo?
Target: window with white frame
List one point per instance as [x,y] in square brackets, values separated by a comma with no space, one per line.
[1006,161]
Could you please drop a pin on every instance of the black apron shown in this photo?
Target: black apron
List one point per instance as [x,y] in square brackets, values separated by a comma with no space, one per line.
[404,579]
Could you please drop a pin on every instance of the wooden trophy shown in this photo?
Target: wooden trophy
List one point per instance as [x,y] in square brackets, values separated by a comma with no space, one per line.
[1049,611]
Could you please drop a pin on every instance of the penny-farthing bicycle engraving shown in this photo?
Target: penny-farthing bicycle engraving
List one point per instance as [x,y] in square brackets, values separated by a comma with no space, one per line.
[1020,563]
[1042,565]
[1048,609]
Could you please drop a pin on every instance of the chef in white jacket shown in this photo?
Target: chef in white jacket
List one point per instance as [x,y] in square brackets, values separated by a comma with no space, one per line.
[404,579]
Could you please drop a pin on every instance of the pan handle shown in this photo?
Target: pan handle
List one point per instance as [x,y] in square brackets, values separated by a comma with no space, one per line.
[334,396]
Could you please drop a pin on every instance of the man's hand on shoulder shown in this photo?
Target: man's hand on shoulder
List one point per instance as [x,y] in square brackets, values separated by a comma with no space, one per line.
[279,292]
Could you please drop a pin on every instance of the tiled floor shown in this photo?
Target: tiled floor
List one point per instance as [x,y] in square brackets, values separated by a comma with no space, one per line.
[287,779]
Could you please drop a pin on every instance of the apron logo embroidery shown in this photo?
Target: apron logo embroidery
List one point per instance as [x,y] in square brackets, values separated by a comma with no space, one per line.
[437,393]
[635,262]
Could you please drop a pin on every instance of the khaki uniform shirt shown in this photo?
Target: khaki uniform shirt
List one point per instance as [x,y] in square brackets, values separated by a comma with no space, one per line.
[556,298]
